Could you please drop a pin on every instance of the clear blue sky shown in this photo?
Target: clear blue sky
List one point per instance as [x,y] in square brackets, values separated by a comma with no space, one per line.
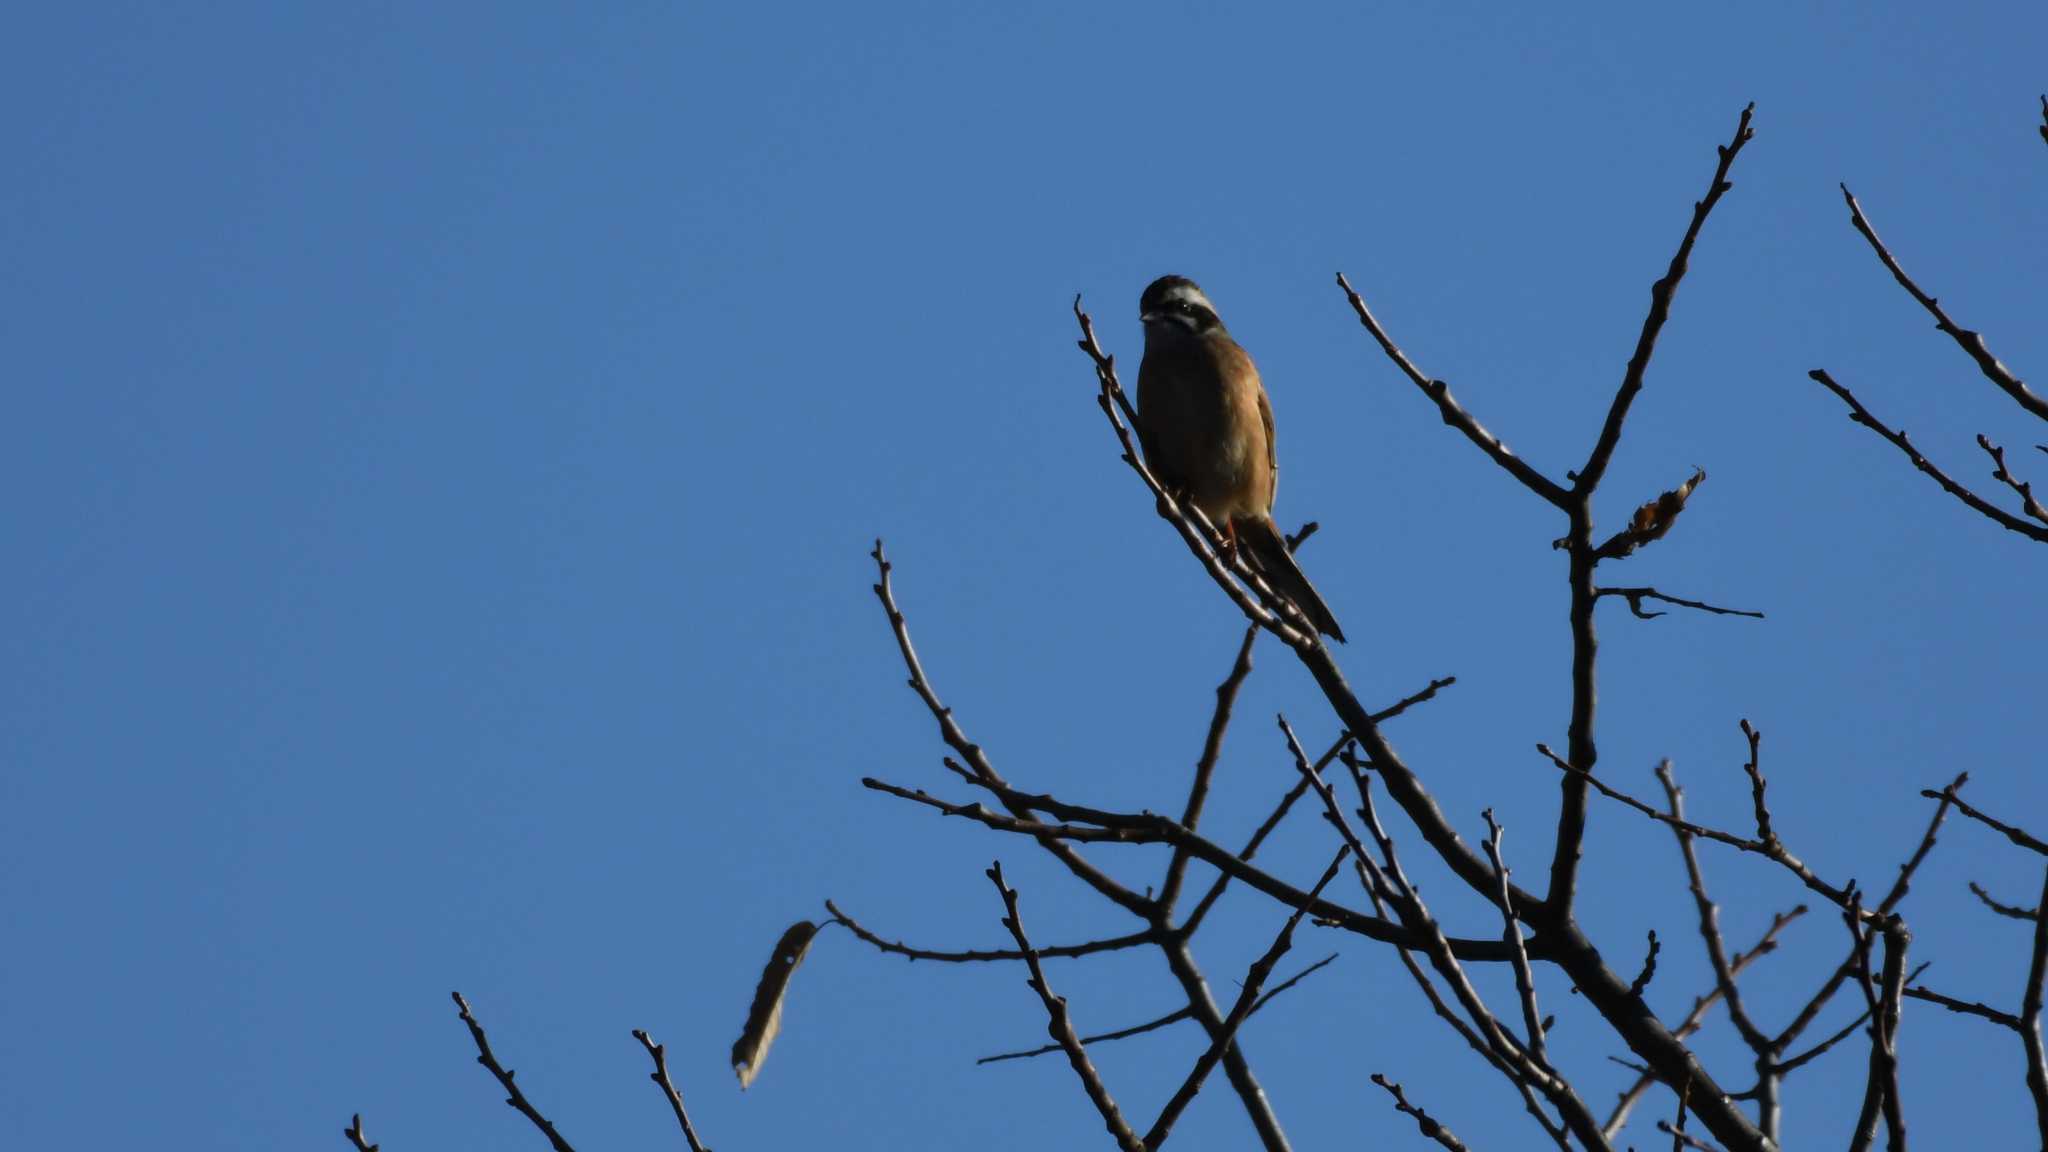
[442,448]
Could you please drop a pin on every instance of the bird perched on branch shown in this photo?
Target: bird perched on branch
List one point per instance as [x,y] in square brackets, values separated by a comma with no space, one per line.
[1207,430]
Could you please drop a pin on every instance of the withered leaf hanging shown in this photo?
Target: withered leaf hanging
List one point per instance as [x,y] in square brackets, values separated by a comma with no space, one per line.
[1652,520]
[764,1019]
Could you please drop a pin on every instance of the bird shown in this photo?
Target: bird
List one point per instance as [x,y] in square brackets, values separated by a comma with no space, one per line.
[1206,427]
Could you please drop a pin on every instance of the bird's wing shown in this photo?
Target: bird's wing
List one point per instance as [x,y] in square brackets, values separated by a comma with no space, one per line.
[1272,453]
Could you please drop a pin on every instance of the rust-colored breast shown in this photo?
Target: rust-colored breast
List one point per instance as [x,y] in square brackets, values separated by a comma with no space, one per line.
[1207,427]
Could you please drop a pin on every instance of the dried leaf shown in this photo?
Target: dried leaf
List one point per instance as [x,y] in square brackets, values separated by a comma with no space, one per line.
[1651,521]
[1654,518]
[764,1019]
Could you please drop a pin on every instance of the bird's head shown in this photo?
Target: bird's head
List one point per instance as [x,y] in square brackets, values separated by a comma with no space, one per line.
[1174,304]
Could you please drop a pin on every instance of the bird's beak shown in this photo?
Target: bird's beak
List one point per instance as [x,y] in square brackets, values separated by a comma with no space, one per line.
[1149,317]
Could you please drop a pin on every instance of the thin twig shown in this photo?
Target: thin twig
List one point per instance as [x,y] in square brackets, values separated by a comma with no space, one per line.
[659,1053]
[1649,971]
[1898,439]
[1709,913]
[1247,1003]
[1660,310]
[1431,1129]
[1697,1017]
[2009,911]
[1971,343]
[513,1096]
[1146,828]
[1060,1025]
[1499,1048]
[2019,836]
[2031,506]
[1454,414]
[1173,1017]
[2030,1018]
[1525,980]
[1205,767]
[967,956]
[1975,1008]
[354,1132]
[1636,596]
[1901,885]
[1773,851]
[956,739]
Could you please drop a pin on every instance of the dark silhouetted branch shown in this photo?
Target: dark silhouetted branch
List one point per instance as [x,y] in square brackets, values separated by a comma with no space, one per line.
[1431,1129]
[513,1096]
[1975,1008]
[1649,971]
[659,1054]
[1060,1025]
[1970,342]
[1774,850]
[2028,504]
[1525,980]
[1247,1003]
[956,739]
[1212,748]
[1660,310]
[1454,414]
[1709,913]
[1636,596]
[1171,1018]
[1861,415]
[2019,836]
[354,1132]
[1058,951]
[2030,1017]
[1146,828]
[1697,1017]
[2010,911]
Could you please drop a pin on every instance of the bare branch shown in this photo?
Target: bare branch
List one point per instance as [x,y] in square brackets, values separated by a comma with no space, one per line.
[1901,885]
[354,1132]
[1709,913]
[1649,971]
[513,1096]
[1774,850]
[2030,1018]
[1173,1017]
[1970,342]
[1431,1129]
[1212,748]
[956,739]
[1525,980]
[1660,310]
[1697,1017]
[1058,951]
[1964,1007]
[659,1053]
[1499,1048]
[1060,1026]
[1861,415]
[2009,911]
[1247,1003]
[1636,596]
[2019,836]
[2028,504]
[1454,414]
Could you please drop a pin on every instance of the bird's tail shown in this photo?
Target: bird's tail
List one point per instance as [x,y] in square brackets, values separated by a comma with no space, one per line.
[1267,550]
